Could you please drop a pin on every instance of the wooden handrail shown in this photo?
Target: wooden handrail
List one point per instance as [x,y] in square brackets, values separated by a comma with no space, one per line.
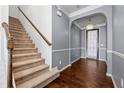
[6,27]
[45,39]
[10,46]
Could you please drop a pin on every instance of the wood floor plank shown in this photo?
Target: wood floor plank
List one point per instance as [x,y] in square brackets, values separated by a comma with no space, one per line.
[83,74]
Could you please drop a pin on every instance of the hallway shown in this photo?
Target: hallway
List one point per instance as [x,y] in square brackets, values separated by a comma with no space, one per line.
[36,47]
[83,74]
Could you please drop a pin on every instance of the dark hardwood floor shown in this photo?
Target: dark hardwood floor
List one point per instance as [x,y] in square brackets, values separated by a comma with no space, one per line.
[83,74]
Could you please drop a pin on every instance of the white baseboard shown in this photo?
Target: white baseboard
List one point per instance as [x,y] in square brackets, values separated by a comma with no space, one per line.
[114,82]
[102,60]
[110,75]
[13,81]
[75,60]
[69,64]
[83,57]
[99,59]
[65,67]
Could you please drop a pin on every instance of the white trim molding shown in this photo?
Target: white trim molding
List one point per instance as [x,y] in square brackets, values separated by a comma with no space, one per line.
[110,75]
[118,54]
[76,60]
[109,51]
[75,48]
[65,67]
[13,81]
[78,25]
[95,26]
[102,48]
[83,48]
[84,10]
[59,50]
[102,60]
[83,57]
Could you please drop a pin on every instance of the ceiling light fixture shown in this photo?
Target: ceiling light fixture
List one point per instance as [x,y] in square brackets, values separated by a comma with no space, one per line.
[90,25]
[59,12]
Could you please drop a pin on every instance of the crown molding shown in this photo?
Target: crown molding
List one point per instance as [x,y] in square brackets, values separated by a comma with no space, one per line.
[84,10]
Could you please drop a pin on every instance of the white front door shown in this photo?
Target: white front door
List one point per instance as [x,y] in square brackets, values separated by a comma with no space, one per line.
[92,42]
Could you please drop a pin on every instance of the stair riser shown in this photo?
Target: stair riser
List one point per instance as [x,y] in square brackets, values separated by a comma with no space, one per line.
[23,41]
[13,19]
[24,45]
[24,51]
[43,84]
[16,64]
[18,27]
[14,32]
[19,81]
[28,73]
[15,25]
[14,22]
[27,66]
[20,36]
[17,59]
[17,31]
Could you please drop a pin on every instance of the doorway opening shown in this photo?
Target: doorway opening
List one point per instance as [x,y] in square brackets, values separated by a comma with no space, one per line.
[92,44]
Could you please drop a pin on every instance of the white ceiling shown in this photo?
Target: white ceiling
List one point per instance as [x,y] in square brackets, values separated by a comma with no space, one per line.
[68,9]
[96,19]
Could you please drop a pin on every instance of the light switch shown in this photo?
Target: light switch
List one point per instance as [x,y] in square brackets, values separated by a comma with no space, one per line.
[60,62]
[101,45]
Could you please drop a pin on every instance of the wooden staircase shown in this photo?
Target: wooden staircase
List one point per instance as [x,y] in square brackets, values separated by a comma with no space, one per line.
[28,66]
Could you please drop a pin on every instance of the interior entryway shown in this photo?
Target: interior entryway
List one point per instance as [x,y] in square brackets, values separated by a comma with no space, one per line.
[37,47]
[92,44]
[89,37]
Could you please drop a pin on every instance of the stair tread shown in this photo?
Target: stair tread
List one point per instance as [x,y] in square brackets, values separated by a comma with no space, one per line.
[21,63]
[24,48]
[15,28]
[29,71]
[29,67]
[24,43]
[23,39]
[26,54]
[39,79]
[17,31]
[20,35]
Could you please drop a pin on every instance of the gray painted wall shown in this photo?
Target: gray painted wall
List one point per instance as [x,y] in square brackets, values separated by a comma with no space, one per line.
[102,49]
[107,11]
[83,43]
[60,39]
[102,43]
[75,42]
[118,44]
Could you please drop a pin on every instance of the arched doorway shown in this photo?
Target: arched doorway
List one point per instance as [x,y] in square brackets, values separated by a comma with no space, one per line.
[93,36]
[107,12]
